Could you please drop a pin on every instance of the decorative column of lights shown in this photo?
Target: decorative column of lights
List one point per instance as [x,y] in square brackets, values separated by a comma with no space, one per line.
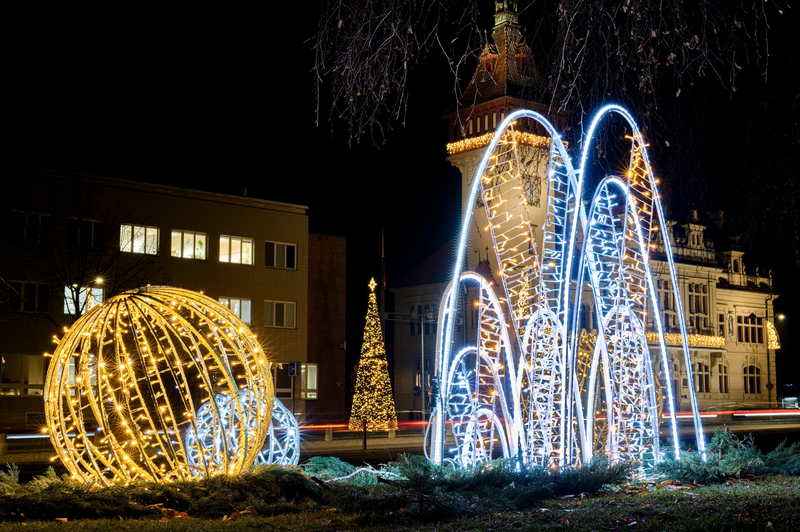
[175,385]
[527,383]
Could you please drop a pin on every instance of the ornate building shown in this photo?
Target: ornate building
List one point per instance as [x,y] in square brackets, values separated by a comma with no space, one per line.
[728,310]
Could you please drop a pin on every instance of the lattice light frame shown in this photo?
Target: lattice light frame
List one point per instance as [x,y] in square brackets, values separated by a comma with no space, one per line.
[140,369]
[540,408]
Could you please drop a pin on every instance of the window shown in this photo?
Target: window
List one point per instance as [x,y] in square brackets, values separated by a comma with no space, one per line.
[752,379]
[282,380]
[21,374]
[32,227]
[308,381]
[138,239]
[240,307]
[86,233]
[666,303]
[87,298]
[721,324]
[188,245]
[280,255]
[29,297]
[750,329]
[698,307]
[723,378]
[702,378]
[236,250]
[279,314]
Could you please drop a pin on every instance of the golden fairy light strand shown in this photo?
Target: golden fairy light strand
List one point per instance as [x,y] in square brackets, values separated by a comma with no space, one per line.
[138,369]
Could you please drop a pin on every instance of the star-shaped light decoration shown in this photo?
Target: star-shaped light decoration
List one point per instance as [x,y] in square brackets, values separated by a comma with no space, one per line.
[372,284]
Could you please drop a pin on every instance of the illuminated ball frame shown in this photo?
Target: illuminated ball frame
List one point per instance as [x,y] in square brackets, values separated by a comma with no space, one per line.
[517,385]
[137,369]
[282,445]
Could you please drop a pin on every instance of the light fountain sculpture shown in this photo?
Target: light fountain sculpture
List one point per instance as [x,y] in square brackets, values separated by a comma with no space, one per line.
[175,384]
[517,385]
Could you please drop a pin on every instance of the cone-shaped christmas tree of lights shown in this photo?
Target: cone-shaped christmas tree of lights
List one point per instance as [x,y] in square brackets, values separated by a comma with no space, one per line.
[373,401]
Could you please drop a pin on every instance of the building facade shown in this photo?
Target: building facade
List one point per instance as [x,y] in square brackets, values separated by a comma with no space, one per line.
[728,310]
[72,240]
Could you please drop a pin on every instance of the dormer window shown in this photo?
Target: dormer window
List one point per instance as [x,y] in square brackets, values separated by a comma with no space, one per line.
[523,65]
[489,63]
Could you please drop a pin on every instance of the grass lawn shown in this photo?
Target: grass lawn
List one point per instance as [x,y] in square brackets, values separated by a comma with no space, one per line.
[761,503]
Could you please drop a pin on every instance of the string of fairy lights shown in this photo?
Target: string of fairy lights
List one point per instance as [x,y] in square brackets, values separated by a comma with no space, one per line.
[373,402]
[535,390]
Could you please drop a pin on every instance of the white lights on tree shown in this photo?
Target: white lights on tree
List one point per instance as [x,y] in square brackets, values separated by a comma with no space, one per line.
[521,386]
[175,385]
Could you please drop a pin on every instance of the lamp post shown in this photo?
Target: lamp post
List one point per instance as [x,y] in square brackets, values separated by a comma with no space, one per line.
[770,386]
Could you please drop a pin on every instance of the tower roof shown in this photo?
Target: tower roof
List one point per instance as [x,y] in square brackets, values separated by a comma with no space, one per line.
[505,67]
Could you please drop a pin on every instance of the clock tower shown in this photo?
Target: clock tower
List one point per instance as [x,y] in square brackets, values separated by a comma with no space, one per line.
[504,79]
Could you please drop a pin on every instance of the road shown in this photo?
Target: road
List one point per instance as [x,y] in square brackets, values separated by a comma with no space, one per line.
[381,449]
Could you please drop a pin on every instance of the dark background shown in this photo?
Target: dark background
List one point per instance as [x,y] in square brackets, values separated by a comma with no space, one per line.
[223,101]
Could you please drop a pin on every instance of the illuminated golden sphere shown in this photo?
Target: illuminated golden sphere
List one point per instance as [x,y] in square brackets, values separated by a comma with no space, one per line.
[128,380]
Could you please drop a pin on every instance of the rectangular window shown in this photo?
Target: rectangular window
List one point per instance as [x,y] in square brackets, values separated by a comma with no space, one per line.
[702,376]
[723,378]
[188,245]
[240,307]
[752,379]
[31,227]
[138,239]
[280,255]
[308,381]
[279,314]
[21,374]
[282,380]
[750,329]
[86,233]
[86,297]
[28,297]
[235,249]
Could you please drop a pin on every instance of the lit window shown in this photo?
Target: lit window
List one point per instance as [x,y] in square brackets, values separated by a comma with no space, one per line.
[308,381]
[28,297]
[138,239]
[280,255]
[32,227]
[188,245]
[240,307]
[236,250]
[279,314]
[85,296]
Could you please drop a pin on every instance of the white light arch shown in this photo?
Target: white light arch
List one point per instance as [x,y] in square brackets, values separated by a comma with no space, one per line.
[533,329]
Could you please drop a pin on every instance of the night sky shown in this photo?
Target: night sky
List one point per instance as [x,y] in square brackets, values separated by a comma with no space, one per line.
[222,101]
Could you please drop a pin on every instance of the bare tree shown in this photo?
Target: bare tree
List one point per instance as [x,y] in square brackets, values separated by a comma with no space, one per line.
[65,247]
[587,51]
